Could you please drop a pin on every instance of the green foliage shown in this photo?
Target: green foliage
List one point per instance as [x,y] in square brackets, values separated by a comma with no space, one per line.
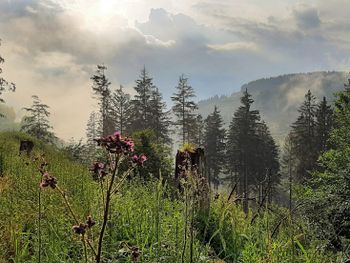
[184,108]
[158,155]
[328,193]
[148,110]
[144,218]
[252,154]
[36,123]
[102,91]
[214,145]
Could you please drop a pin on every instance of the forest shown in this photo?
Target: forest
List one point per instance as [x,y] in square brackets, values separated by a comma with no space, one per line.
[232,194]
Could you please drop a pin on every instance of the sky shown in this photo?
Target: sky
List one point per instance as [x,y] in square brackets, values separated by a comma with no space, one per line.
[51,47]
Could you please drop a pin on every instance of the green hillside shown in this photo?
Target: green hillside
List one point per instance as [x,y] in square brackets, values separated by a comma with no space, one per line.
[278,98]
[145,218]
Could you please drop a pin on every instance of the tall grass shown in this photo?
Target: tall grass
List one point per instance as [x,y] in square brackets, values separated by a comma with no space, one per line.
[147,223]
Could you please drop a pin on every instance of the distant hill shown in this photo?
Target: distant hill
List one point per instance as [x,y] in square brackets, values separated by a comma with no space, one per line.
[278,98]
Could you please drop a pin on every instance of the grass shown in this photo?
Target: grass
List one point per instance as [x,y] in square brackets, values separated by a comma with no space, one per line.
[146,221]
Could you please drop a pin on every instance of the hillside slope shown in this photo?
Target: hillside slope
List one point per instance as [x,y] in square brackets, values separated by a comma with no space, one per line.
[278,98]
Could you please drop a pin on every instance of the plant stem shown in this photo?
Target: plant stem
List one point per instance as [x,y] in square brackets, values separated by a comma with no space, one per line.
[106,210]
[185,233]
[85,250]
[39,226]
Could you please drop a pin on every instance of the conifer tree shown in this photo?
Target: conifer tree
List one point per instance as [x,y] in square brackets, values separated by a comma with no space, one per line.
[141,116]
[241,146]
[102,92]
[214,145]
[267,165]
[92,129]
[288,163]
[37,122]
[160,120]
[121,110]
[327,205]
[324,122]
[196,131]
[252,154]
[184,108]
[304,136]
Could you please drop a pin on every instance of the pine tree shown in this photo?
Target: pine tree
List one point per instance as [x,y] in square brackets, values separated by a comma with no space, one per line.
[241,146]
[327,205]
[252,154]
[267,166]
[304,136]
[4,84]
[141,116]
[121,110]
[160,120]
[37,123]
[214,145]
[102,92]
[184,108]
[92,129]
[324,122]
[288,163]
[196,130]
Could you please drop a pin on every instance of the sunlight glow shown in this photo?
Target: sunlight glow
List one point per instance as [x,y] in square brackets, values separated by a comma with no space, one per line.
[96,15]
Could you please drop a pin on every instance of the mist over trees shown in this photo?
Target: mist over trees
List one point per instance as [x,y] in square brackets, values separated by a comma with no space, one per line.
[36,122]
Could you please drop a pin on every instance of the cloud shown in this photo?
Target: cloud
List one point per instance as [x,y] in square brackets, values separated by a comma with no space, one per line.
[307,17]
[53,46]
[234,46]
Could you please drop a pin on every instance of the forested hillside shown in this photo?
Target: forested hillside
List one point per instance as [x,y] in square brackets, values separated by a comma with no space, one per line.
[278,98]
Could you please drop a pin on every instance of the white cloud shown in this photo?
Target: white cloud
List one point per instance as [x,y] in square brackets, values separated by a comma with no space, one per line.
[234,46]
[52,46]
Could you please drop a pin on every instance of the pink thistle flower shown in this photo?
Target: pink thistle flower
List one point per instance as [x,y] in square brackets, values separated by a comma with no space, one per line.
[90,222]
[79,229]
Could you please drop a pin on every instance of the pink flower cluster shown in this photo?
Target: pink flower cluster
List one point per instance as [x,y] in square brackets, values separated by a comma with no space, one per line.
[116,143]
[99,170]
[81,228]
[48,180]
[139,159]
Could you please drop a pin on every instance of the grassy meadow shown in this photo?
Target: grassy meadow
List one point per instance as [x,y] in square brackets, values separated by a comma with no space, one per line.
[147,221]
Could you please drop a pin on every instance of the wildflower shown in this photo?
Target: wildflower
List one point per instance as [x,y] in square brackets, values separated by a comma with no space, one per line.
[139,159]
[90,222]
[135,254]
[48,180]
[79,229]
[116,143]
[98,170]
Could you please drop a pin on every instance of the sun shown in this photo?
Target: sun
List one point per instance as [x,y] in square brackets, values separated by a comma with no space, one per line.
[106,6]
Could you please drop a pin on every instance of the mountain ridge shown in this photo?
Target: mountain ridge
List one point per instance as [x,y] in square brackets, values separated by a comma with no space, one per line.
[278,98]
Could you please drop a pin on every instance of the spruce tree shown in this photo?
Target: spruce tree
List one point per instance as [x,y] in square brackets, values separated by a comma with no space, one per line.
[141,116]
[196,131]
[288,165]
[92,129]
[324,123]
[160,119]
[214,145]
[241,146]
[102,92]
[304,136]
[37,123]
[327,204]
[252,154]
[121,110]
[184,108]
